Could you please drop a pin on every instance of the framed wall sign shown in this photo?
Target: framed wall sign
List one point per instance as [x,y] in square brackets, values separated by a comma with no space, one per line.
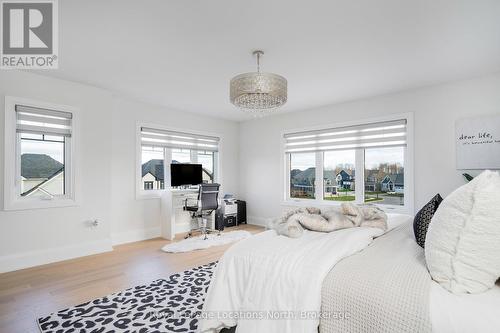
[478,143]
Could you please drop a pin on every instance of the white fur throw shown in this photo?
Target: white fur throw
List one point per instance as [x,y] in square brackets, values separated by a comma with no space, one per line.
[293,223]
[462,246]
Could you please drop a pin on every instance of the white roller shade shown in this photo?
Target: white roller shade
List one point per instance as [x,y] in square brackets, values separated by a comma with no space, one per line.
[43,121]
[380,134]
[173,139]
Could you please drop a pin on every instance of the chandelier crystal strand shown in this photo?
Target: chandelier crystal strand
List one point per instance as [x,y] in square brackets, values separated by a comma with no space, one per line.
[258,92]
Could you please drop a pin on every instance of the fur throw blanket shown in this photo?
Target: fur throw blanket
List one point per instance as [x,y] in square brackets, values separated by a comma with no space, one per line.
[293,223]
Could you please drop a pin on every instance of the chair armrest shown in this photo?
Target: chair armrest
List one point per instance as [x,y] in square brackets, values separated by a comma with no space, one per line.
[190,202]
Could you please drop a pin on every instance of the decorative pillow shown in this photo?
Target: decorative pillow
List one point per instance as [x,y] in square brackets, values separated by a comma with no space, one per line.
[423,218]
[462,247]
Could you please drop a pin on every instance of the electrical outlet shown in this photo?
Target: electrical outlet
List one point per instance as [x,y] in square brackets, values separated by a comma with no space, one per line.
[92,223]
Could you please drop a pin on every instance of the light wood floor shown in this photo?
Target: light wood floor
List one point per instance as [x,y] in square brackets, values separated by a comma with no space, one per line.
[34,292]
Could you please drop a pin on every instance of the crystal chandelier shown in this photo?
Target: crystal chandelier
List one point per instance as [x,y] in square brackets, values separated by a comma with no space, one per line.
[256,91]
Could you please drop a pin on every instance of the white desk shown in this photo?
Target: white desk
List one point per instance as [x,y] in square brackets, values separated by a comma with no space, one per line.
[174,219]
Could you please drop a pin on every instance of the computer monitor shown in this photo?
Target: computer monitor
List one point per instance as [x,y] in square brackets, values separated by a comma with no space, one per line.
[185,174]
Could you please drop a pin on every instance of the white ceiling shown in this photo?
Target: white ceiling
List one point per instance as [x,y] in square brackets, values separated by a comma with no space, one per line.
[182,53]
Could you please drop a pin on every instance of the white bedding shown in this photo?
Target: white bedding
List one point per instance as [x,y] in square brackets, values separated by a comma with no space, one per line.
[452,313]
[269,275]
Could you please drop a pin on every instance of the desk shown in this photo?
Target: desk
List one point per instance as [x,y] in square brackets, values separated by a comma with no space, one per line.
[174,219]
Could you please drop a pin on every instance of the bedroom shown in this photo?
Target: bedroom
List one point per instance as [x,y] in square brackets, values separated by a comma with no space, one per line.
[416,75]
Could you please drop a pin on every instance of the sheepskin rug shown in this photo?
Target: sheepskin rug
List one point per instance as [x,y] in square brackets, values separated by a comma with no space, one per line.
[199,243]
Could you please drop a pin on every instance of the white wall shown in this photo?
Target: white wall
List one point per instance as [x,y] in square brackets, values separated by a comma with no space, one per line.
[435,110]
[134,219]
[32,237]
[107,155]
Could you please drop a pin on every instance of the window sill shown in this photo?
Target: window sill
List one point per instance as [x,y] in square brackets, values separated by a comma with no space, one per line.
[309,202]
[40,204]
[151,194]
[327,203]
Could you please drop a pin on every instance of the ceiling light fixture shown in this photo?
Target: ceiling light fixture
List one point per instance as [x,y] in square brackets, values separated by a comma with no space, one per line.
[258,92]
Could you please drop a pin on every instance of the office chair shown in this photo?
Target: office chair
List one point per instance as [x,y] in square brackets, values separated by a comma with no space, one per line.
[207,202]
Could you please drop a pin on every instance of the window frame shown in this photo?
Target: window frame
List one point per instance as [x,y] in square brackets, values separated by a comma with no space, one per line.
[142,194]
[407,208]
[12,160]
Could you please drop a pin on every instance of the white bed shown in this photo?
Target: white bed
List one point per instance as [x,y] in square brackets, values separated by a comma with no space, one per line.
[270,275]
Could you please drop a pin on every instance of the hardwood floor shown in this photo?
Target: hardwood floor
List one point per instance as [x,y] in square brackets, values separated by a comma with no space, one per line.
[34,292]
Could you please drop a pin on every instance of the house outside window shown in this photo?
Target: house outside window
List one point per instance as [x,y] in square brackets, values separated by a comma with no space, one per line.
[385,176]
[365,163]
[39,155]
[303,176]
[152,168]
[339,175]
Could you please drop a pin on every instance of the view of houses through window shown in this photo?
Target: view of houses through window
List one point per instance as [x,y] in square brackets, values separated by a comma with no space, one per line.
[384,176]
[302,175]
[152,160]
[42,165]
[339,175]
[383,180]
[152,168]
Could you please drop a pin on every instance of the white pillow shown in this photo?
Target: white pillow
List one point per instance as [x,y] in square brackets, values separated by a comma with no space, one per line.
[462,246]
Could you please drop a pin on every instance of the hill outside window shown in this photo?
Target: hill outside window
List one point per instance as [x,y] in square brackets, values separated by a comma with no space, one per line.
[365,163]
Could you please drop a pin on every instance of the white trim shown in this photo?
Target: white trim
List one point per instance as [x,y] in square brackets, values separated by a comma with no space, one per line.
[359,190]
[408,166]
[17,261]
[12,201]
[135,235]
[140,194]
[318,181]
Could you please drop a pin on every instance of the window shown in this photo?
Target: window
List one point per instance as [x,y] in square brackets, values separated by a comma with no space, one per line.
[159,148]
[42,165]
[302,176]
[384,176]
[362,163]
[207,160]
[181,156]
[152,160]
[38,155]
[339,175]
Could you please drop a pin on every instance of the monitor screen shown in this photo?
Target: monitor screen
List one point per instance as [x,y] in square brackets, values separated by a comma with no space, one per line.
[185,174]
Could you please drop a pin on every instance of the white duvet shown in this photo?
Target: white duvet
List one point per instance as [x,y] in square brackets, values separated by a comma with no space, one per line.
[271,283]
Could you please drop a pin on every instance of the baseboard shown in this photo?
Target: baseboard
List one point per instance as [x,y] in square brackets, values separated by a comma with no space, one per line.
[17,261]
[135,235]
[258,220]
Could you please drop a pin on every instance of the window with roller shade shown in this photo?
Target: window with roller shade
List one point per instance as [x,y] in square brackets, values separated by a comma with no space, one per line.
[161,147]
[44,154]
[362,163]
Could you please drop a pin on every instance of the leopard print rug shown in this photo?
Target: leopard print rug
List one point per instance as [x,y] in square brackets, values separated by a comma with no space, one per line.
[165,305]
